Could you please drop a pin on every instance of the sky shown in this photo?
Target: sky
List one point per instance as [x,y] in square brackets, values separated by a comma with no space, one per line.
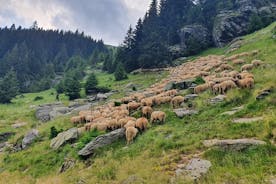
[101,19]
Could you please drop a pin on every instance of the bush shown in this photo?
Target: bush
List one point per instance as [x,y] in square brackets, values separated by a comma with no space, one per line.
[37,98]
[120,73]
[87,137]
[116,104]
[54,132]
[199,80]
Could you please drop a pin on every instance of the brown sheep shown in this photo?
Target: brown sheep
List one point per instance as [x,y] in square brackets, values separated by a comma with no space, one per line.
[158,116]
[200,88]
[147,102]
[141,123]
[146,111]
[131,133]
[245,75]
[165,99]
[238,61]
[256,62]
[226,85]
[132,106]
[176,101]
[130,123]
[216,89]
[171,92]
[245,83]
[76,119]
[247,67]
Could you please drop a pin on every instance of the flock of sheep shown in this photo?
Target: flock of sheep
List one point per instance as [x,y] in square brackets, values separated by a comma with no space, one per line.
[216,71]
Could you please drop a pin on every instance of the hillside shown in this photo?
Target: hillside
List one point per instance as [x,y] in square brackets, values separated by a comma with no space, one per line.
[157,154]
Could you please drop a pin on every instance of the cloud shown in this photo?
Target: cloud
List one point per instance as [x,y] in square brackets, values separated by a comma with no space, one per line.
[106,19]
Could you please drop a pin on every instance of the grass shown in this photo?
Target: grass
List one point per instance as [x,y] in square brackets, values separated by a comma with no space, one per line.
[155,153]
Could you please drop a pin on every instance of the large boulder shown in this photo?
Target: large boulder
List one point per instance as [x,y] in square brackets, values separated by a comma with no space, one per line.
[184,112]
[195,38]
[29,138]
[232,144]
[185,84]
[43,111]
[102,141]
[194,170]
[64,137]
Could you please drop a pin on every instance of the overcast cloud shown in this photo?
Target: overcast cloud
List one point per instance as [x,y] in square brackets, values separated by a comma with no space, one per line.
[106,19]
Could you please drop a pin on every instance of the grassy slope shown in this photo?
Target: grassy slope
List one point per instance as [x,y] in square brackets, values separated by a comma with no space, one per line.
[155,154]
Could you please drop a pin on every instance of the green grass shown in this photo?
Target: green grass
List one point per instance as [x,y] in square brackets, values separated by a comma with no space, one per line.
[155,153]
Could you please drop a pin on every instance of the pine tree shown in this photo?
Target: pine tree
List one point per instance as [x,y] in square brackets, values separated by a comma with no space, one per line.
[120,73]
[91,83]
[72,86]
[8,87]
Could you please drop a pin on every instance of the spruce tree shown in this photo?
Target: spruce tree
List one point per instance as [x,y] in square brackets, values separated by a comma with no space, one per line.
[120,73]
[91,83]
[8,87]
[72,86]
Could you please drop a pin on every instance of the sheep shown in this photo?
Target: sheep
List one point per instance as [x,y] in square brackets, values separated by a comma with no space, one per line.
[216,89]
[219,80]
[245,83]
[244,75]
[126,100]
[176,101]
[131,133]
[171,92]
[146,111]
[158,116]
[238,61]
[247,67]
[132,106]
[130,123]
[141,123]
[147,102]
[76,119]
[256,62]
[88,118]
[226,85]
[201,88]
[165,99]
[81,130]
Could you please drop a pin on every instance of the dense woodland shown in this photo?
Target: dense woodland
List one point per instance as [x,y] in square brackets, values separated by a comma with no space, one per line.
[150,43]
[37,56]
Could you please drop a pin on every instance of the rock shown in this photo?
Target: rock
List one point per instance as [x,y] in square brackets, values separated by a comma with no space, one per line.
[234,45]
[195,169]
[81,108]
[18,124]
[43,111]
[130,86]
[169,86]
[101,97]
[233,144]
[29,138]
[67,164]
[185,84]
[133,179]
[264,94]
[191,96]
[3,146]
[272,180]
[247,120]
[229,24]
[64,137]
[101,141]
[196,33]
[184,112]
[5,136]
[58,111]
[233,111]
[217,99]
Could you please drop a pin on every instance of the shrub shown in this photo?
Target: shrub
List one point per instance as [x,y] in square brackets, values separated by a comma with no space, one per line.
[199,80]
[116,104]
[54,132]
[120,73]
[37,98]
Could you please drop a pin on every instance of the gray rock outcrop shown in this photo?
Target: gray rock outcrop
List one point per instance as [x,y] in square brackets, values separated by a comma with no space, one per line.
[64,137]
[102,141]
[184,112]
[29,138]
[232,144]
[5,136]
[196,35]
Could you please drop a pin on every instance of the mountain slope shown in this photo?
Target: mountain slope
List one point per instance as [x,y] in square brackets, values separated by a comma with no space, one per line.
[155,154]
